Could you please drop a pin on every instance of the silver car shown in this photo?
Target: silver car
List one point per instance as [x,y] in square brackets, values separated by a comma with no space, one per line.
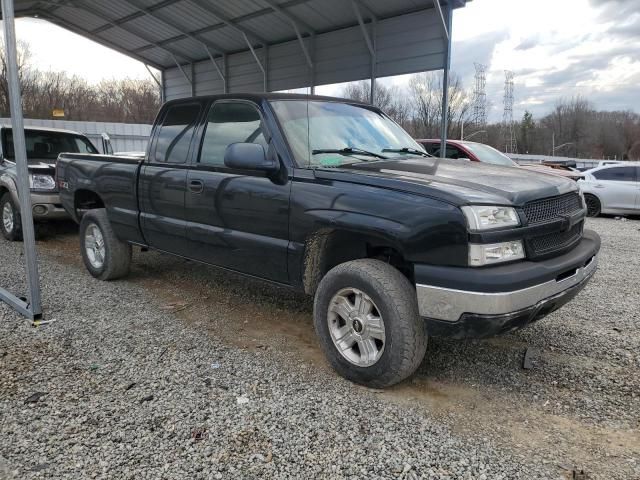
[613,189]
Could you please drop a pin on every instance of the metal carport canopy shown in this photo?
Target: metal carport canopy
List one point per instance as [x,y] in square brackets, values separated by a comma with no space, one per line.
[217,46]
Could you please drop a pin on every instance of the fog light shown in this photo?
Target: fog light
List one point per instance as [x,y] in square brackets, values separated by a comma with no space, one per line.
[495,253]
[39,210]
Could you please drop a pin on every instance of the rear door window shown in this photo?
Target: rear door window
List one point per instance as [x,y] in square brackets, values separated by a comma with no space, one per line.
[617,174]
[176,132]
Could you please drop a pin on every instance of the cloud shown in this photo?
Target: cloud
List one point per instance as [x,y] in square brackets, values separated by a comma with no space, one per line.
[476,50]
[528,43]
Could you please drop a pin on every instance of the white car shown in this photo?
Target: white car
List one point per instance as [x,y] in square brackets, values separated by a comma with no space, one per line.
[612,189]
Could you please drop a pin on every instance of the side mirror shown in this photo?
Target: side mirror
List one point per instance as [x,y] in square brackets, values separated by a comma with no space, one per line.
[464,159]
[248,156]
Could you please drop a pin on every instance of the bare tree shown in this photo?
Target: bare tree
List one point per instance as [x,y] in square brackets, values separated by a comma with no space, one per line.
[426,98]
[124,100]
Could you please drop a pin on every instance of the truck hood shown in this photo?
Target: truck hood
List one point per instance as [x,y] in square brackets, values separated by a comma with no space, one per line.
[455,181]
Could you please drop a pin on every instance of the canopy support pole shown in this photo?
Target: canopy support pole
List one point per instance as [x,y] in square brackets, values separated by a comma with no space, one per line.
[32,308]
[445,78]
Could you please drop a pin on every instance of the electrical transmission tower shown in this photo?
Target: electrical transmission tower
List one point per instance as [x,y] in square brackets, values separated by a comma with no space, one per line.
[507,117]
[480,98]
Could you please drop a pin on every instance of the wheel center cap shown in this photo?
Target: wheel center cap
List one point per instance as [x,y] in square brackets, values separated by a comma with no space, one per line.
[357,326]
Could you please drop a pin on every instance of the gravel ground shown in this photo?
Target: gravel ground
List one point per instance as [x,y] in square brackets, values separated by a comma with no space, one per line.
[181,371]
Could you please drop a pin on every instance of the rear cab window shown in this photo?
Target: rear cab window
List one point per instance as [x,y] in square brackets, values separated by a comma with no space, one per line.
[175,133]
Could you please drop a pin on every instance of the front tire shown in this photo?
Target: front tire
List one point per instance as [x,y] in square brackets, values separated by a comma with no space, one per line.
[594,207]
[366,317]
[105,256]
[10,221]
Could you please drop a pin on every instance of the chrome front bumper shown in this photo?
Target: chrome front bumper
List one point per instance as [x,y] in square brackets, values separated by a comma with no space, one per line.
[447,304]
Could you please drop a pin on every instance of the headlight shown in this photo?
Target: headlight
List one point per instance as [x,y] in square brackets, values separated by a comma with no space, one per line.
[483,217]
[495,253]
[41,182]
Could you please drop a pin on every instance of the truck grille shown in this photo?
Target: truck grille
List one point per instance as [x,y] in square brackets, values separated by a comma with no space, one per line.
[540,211]
[552,242]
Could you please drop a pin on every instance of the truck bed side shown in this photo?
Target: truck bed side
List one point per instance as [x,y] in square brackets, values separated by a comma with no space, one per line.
[95,181]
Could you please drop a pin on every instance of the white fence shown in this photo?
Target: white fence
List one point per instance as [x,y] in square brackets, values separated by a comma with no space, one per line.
[125,137]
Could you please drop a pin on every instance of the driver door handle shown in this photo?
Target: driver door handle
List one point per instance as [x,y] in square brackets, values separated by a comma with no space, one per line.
[196,186]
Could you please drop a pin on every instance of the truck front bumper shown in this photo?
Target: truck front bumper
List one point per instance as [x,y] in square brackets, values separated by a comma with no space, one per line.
[481,302]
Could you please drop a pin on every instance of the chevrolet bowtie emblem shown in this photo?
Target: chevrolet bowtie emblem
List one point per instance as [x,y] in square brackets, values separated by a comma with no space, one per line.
[566,222]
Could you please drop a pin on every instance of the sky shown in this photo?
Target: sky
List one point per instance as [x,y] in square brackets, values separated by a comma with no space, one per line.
[556,48]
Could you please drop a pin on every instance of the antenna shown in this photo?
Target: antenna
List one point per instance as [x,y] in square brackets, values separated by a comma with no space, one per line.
[507,117]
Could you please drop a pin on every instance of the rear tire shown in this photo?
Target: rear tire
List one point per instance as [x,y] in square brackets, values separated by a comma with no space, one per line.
[366,317]
[594,207]
[105,256]
[10,219]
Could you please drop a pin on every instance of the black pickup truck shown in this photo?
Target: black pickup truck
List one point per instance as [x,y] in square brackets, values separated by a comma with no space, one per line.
[334,199]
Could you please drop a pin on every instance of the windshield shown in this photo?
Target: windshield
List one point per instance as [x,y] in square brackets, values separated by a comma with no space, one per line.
[487,154]
[45,145]
[339,133]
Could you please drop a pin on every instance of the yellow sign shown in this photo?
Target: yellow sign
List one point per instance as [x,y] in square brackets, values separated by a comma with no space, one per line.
[57,112]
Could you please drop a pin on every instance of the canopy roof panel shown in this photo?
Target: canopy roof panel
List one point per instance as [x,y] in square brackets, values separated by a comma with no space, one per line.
[296,43]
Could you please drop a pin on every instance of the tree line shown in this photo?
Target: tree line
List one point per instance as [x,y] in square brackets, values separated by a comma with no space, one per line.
[574,127]
[121,100]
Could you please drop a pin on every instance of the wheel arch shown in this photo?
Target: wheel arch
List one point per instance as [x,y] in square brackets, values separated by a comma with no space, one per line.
[83,200]
[328,247]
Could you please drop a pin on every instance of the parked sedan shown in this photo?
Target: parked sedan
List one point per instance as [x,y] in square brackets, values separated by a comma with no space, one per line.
[613,189]
[479,152]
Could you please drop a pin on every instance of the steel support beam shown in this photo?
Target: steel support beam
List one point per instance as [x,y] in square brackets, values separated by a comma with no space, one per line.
[82,5]
[207,6]
[260,65]
[31,308]
[215,65]
[445,82]
[370,40]
[446,24]
[61,22]
[294,21]
[155,79]
[171,22]
[184,74]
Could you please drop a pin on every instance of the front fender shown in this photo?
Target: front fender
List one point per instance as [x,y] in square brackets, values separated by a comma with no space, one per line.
[8,182]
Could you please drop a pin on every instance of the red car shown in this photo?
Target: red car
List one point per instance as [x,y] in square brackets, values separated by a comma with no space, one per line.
[479,152]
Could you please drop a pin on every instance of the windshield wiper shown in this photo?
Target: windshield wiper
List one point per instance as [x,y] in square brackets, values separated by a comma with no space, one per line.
[407,150]
[349,151]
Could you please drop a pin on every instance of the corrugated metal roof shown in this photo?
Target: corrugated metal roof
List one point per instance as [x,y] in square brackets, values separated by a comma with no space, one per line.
[144,28]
